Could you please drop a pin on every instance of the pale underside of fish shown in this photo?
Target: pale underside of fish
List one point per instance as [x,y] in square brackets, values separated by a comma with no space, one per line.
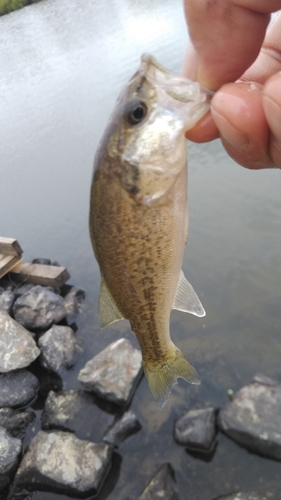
[139,216]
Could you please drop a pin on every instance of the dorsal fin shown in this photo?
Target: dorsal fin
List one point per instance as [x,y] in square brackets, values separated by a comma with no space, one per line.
[186,298]
[108,310]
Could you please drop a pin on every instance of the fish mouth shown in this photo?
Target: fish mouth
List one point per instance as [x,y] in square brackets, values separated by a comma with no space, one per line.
[190,100]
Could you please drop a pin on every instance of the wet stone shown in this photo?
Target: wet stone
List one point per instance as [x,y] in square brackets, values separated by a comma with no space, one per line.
[10,449]
[26,287]
[17,347]
[162,485]
[17,388]
[15,421]
[39,308]
[7,298]
[114,372]
[58,348]
[252,418]
[75,411]
[246,495]
[42,261]
[122,428]
[74,300]
[60,462]
[196,429]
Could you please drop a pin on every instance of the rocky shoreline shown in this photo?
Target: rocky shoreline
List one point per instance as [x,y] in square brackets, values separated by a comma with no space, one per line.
[66,456]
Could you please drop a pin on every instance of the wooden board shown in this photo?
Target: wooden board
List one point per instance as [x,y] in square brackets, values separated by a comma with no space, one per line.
[40,274]
[10,246]
[7,262]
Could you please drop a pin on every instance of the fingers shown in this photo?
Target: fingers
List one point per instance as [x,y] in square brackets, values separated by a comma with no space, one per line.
[227,36]
[271,98]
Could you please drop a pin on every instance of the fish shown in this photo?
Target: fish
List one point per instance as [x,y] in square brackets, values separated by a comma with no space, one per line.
[139,217]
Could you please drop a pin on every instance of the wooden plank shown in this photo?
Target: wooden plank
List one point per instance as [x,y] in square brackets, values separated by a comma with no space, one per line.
[41,274]
[7,262]
[10,246]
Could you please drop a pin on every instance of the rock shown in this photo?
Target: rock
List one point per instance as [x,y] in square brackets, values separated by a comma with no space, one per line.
[17,388]
[122,428]
[10,449]
[246,495]
[45,262]
[75,411]
[196,429]
[7,298]
[252,418]
[73,300]
[39,308]
[23,289]
[114,372]
[17,347]
[60,462]
[162,485]
[15,421]
[58,348]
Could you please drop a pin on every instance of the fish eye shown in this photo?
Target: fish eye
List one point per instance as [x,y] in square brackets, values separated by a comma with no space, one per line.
[136,112]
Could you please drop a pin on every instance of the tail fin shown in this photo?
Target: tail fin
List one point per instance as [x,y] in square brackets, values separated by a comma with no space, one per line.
[161,377]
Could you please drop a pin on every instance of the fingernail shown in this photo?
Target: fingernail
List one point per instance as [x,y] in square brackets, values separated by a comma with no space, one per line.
[273,113]
[190,63]
[229,133]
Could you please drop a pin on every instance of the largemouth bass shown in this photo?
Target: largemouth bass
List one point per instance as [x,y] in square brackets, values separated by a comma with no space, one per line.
[139,219]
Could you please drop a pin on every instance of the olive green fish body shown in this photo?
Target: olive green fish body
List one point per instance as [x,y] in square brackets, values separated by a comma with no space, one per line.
[138,217]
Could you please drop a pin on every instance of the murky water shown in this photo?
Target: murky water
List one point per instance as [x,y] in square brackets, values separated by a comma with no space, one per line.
[62,65]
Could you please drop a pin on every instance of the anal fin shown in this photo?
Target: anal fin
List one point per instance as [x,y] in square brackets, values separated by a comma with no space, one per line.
[186,298]
[108,310]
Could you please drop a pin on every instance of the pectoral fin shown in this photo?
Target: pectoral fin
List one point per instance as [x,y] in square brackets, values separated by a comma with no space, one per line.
[108,310]
[186,298]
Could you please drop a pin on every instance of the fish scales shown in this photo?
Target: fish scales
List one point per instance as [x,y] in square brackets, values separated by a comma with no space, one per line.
[138,217]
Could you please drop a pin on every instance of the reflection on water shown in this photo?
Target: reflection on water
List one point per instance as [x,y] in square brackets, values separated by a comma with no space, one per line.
[62,65]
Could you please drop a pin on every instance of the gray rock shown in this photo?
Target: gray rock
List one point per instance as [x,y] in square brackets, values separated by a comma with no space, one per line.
[7,298]
[75,411]
[17,388]
[252,418]
[74,300]
[60,462]
[10,449]
[114,372]
[162,485]
[196,429]
[58,348]
[246,495]
[17,347]
[45,262]
[124,427]
[26,287]
[15,421]
[39,308]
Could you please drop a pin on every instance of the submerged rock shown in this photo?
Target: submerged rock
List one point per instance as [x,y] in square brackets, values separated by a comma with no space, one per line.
[39,307]
[7,298]
[162,485]
[252,418]
[75,411]
[246,495]
[10,449]
[60,462]
[114,372]
[16,421]
[196,429]
[17,388]
[58,348]
[17,347]
[122,428]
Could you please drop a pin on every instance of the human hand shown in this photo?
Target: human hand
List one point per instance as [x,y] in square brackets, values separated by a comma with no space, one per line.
[230,39]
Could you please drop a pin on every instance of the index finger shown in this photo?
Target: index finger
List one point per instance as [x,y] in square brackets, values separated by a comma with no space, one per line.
[227,36]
